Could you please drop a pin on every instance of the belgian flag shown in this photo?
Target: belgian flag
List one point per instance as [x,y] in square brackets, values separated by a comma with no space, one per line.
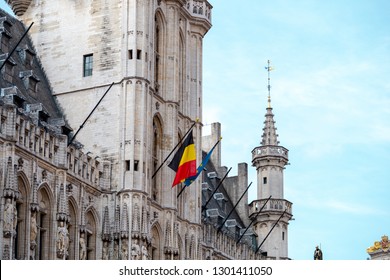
[184,161]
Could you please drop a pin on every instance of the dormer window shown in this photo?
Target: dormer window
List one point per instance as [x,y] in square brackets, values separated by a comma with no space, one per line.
[8,72]
[30,80]
[8,69]
[29,58]
[5,27]
[4,43]
[33,84]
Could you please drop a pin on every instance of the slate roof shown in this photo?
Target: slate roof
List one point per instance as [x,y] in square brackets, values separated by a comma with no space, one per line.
[220,205]
[27,73]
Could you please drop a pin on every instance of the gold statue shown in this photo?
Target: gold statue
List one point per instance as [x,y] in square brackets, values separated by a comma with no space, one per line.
[384,244]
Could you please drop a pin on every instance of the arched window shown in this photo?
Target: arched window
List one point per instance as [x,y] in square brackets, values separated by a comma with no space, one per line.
[158,51]
[42,251]
[155,253]
[182,72]
[21,241]
[72,225]
[156,157]
[91,235]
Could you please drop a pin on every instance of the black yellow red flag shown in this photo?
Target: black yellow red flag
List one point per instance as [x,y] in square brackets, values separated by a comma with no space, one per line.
[184,161]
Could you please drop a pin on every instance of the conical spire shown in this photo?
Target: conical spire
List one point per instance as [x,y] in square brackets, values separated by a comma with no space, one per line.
[62,213]
[10,180]
[125,222]
[82,216]
[269,136]
[106,225]
[117,228]
[34,204]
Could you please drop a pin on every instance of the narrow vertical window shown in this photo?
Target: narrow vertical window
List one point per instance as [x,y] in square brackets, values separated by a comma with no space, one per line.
[139,54]
[264,180]
[130,54]
[136,165]
[88,65]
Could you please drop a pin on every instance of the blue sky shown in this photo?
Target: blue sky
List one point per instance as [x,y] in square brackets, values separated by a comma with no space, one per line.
[331,100]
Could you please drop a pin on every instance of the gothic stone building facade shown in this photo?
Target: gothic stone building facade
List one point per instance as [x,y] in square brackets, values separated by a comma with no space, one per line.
[95,197]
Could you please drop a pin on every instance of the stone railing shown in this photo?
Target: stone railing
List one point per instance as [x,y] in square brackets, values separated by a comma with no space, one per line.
[199,8]
[278,205]
[264,151]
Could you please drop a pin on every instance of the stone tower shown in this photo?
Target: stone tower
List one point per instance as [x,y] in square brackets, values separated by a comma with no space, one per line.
[270,160]
[151,53]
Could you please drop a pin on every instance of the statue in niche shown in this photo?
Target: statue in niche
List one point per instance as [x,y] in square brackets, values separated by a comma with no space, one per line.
[82,247]
[135,250]
[105,251]
[125,252]
[62,238]
[10,216]
[145,253]
[33,230]
[115,254]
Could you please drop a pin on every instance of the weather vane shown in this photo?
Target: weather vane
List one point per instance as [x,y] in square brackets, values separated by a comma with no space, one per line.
[269,68]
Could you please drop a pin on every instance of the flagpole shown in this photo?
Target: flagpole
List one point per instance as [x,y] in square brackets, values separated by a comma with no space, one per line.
[258,248]
[17,44]
[161,165]
[254,219]
[231,211]
[81,126]
[220,182]
[185,186]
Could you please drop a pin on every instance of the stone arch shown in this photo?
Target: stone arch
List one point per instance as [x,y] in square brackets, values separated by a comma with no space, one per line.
[91,226]
[22,205]
[155,252]
[45,236]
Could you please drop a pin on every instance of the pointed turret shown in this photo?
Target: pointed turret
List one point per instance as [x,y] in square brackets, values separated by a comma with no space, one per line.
[62,212]
[270,160]
[269,137]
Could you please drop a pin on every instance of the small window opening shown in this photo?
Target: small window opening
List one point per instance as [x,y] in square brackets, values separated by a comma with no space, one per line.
[138,54]
[264,180]
[88,65]
[130,54]
[136,165]
[127,163]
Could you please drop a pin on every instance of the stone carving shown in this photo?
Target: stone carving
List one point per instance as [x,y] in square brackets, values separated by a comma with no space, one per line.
[115,254]
[33,229]
[145,254]
[135,250]
[82,247]
[125,251]
[62,240]
[10,218]
[105,251]
[384,245]
[318,254]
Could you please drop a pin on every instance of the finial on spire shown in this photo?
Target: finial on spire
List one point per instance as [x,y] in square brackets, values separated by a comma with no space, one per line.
[269,68]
